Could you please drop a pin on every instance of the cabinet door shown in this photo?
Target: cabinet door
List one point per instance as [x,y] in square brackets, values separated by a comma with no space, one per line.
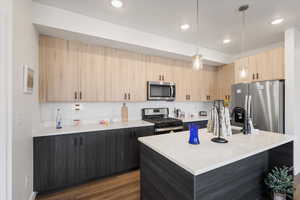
[158,69]
[276,62]
[139,132]
[178,78]
[264,71]
[196,86]
[137,87]
[92,156]
[114,90]
[204,84]
[92,70]
[59,60]
[154,71]
[253,68]
[55,162]
[187,82]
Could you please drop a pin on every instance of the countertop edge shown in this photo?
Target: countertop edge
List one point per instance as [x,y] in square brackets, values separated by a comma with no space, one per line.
[82,129]
[218,165]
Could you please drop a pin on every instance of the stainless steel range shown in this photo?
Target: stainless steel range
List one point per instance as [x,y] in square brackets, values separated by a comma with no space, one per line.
[162,122]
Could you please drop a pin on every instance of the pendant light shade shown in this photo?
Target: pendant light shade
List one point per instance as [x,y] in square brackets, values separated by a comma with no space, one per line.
[197,62]
[243,73]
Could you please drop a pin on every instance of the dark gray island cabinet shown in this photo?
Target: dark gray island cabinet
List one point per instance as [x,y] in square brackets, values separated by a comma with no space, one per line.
[69,159]
[210,171]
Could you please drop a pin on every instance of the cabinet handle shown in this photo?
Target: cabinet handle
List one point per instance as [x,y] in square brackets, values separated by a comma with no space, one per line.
[160,77]
[128,96]
[80,95]
[75,95]
[163,77]
[253,76]
[75,142]
[257,75]
[125,96]
[80,141]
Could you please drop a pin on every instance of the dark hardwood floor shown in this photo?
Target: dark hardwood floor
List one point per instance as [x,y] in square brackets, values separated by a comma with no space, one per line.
[125,187]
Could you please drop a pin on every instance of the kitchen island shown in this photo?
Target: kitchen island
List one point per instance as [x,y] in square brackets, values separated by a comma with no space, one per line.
[172,169]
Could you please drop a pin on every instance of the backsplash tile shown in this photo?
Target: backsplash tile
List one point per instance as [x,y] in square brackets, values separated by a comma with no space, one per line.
[92,113]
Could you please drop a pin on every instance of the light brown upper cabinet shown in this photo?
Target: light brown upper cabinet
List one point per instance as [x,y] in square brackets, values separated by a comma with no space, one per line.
[276,61]
[159,69]
[91,72]
[225,79]
[196,85]
[70,71]
[125,76]
[208,84]
[264,66]
[58,71]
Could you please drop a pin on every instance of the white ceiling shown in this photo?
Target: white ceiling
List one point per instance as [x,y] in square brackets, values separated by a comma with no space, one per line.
[219,19]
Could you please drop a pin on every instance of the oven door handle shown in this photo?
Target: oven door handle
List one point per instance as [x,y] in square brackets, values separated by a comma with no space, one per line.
[172,91]
[169,129]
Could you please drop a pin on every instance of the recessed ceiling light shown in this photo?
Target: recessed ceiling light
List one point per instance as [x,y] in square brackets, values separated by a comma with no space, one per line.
[185,27]
[117,3]
[277,21]
[226,41]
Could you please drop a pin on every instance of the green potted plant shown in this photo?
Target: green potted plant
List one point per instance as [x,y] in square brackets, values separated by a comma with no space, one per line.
[280,182]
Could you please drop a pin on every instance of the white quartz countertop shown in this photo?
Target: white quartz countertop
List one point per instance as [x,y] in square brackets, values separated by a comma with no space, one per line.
[193,119]
[90,128]
[198,159]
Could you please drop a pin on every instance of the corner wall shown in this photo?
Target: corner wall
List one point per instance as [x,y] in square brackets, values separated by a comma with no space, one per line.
[292,87]
[25,106]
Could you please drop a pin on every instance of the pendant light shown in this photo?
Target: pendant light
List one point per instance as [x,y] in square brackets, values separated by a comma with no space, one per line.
[243,10]
[197,58]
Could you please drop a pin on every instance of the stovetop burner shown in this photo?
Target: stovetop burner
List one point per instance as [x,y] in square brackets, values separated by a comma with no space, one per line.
[159,116]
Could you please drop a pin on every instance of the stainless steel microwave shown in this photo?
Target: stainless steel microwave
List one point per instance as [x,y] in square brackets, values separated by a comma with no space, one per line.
[161,91]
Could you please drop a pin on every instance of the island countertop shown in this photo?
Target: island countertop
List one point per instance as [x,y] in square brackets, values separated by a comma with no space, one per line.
[207,156]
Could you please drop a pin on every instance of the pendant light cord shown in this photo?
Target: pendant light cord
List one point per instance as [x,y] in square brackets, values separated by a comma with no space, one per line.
[197,18]
[243,32]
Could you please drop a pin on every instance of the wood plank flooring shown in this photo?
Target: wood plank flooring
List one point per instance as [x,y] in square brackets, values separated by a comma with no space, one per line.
[297,185]
[121,187]
[125,187]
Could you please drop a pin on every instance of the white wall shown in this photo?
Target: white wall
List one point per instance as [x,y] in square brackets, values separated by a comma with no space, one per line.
[25,106]
[292,87]
[94,112]
[5,99]
[58,19]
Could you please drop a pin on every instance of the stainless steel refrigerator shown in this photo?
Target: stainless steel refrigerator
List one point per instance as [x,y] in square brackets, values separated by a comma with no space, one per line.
[267,104]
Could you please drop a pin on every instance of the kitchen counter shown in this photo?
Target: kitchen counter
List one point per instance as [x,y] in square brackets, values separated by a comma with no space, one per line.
[91,127]
[211,155]
[197,171]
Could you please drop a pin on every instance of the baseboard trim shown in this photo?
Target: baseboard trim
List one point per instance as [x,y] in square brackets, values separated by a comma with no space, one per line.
[32,196]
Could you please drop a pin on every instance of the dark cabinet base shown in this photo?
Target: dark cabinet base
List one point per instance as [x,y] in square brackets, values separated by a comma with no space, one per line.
[161,179]
[68,160]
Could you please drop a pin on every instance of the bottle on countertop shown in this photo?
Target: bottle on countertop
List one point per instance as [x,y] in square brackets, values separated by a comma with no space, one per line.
[58,119]
[124,113]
